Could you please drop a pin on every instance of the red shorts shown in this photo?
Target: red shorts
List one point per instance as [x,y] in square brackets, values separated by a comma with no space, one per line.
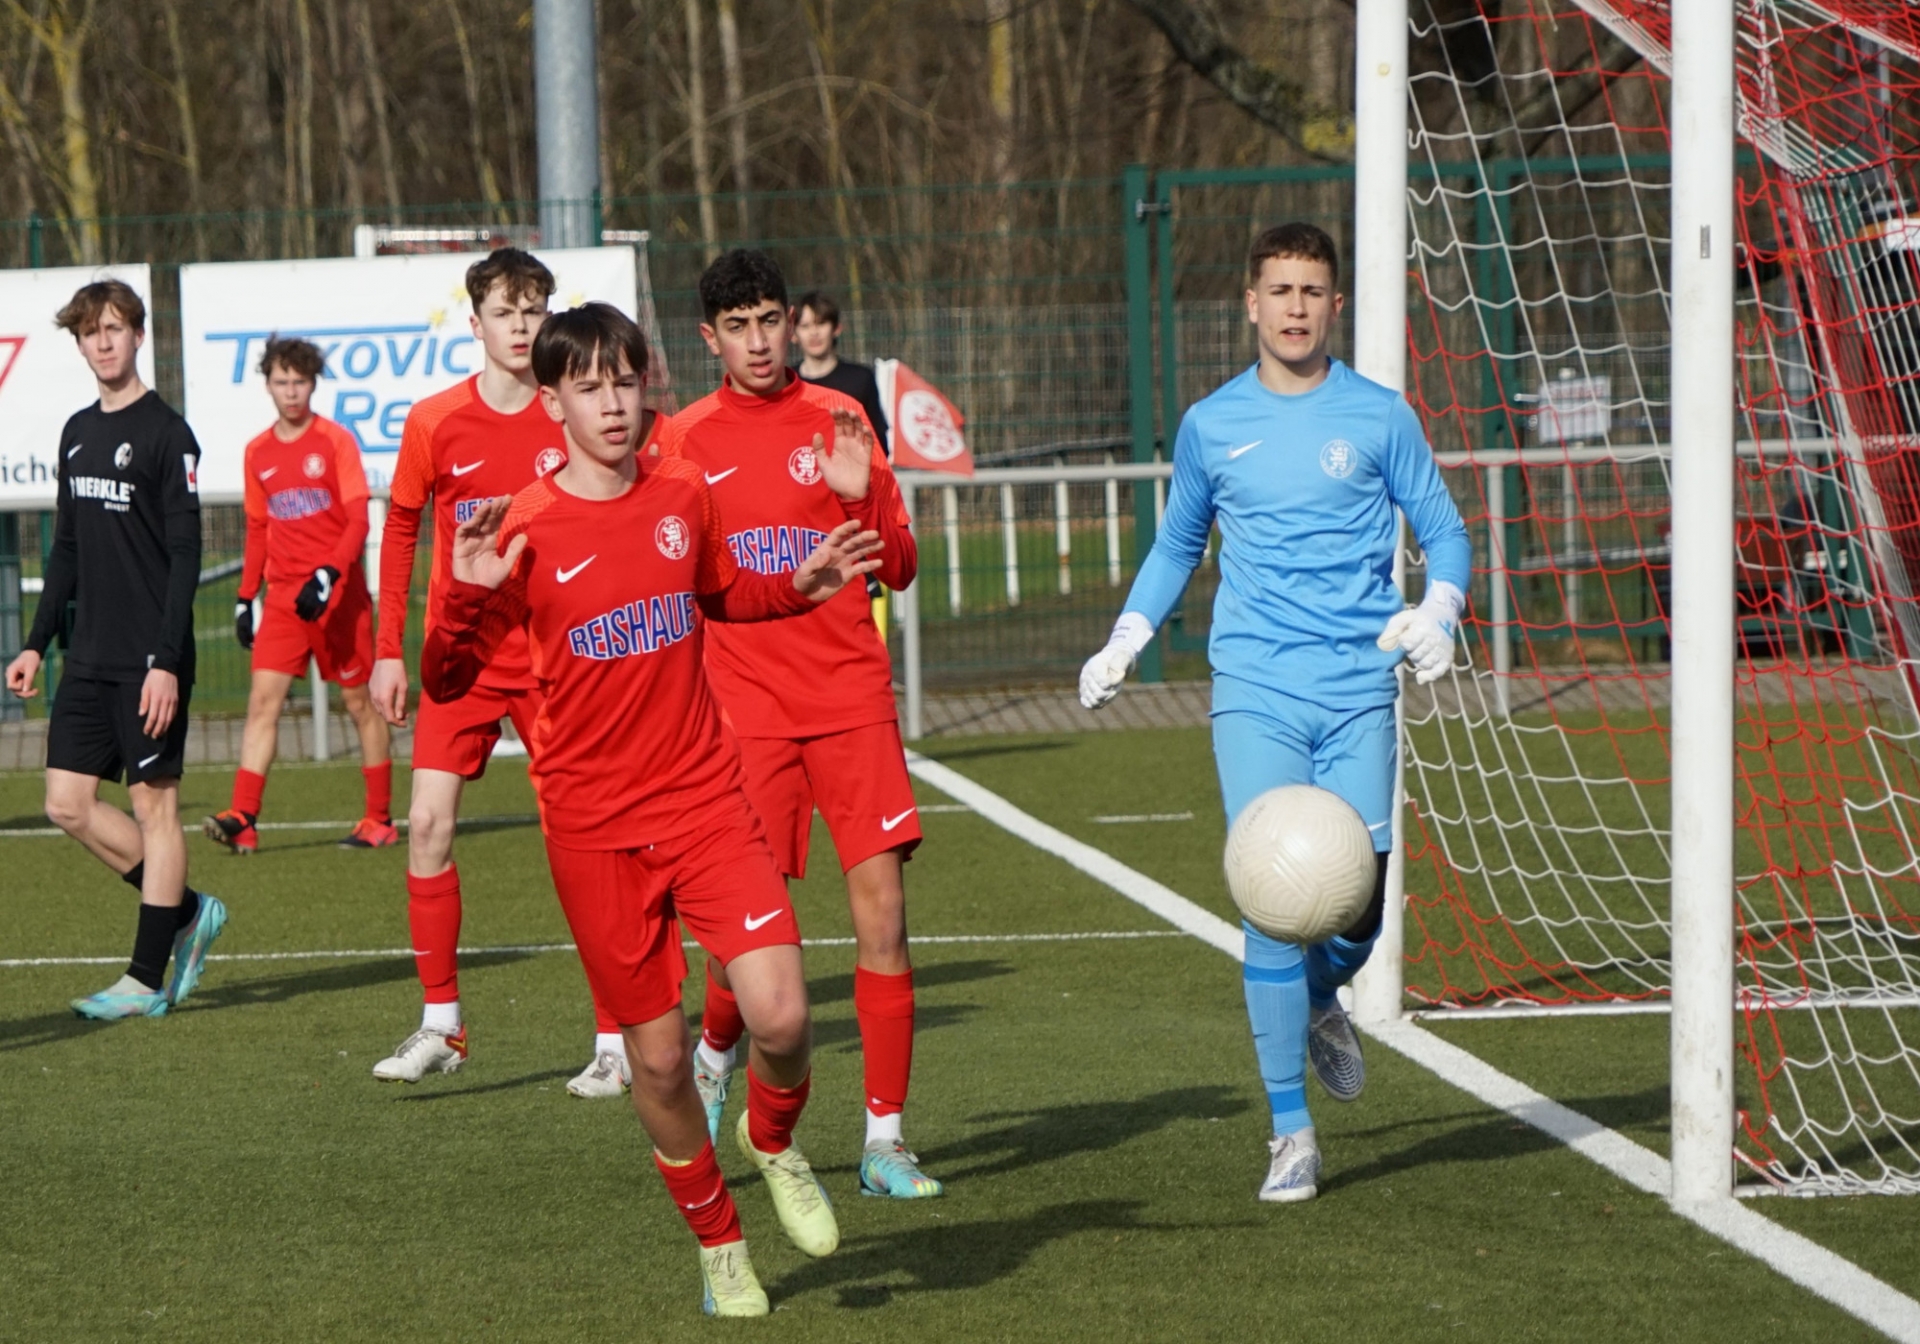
[858,780]
[622,905]
[458,736]
[341,641]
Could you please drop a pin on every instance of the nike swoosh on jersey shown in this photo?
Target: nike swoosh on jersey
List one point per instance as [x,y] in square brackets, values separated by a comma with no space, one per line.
[714,478]
[268,472]
[149,761]
[76,448]
[753,923]
[888,823]
[459,470]
[566,575]
[1243,449]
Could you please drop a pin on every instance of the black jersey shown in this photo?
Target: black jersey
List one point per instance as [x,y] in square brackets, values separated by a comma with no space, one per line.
[858,382]
[126,543]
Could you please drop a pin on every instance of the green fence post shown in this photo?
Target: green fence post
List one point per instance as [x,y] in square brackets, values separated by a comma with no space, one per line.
[11,631]
[1136,209]
[36,240]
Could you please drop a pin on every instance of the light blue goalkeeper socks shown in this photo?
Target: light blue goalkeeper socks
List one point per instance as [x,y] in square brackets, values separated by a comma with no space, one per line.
[1275,979]
[1332,964]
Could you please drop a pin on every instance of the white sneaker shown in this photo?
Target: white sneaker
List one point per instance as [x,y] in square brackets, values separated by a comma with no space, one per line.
[604,1076]
[1333,1047]
[423,1053]
[1295,1173]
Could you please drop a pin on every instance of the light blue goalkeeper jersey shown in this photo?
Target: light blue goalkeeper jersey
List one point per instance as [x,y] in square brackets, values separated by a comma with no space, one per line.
[1304,488]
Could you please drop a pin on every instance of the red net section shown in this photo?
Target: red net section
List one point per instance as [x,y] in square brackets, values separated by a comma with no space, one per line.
[1538,870]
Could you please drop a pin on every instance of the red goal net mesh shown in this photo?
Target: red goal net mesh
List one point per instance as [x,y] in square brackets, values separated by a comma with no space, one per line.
[1538,773]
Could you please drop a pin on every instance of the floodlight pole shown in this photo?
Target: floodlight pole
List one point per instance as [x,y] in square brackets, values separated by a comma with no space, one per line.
[1703,606]
[567,111]
[1380,353]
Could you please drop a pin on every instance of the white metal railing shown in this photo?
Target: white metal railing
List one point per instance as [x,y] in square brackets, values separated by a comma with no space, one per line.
[912,483]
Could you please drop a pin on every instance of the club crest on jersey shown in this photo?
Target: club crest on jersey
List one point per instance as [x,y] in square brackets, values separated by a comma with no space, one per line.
[315,466]
[1338,458]
[548,460]
[673,537]
[123,457]
[803,466]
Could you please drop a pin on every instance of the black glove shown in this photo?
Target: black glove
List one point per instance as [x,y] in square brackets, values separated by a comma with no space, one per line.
[311,605]
[243,623]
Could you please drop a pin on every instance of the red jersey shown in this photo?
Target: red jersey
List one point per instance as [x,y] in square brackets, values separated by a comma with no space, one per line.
[306,505]
[829,671]
[631,746]
[457,450]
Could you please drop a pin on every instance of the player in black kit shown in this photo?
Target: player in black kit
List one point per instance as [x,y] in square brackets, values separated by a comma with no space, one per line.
[126,554]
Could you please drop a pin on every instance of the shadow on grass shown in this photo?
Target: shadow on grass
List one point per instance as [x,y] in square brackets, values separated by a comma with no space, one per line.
[955,1257]
[1032,1138]
[505,1085]
[839,988]
[1498,1138]
[29,1033]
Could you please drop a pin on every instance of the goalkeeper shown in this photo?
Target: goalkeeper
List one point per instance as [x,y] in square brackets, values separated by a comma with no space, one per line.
[1302,462]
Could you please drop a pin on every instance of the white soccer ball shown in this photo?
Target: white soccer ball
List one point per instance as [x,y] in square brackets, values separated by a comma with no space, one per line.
[1300,864]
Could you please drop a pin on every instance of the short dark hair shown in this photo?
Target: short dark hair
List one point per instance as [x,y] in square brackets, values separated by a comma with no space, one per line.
[520,271]
[1298,240]
[294,355]
[821,306]
[592,337]
[82,312]
[739,279]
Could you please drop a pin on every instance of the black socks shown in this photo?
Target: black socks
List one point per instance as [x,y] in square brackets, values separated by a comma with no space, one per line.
[153,939]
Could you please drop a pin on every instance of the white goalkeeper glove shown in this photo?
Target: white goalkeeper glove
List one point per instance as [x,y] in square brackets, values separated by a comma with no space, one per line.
[1100,679]
[1425,632]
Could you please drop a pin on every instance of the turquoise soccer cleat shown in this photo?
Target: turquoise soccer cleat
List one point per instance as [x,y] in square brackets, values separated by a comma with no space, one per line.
[888,1170]
[125,997]
[190,947]
[712,1087]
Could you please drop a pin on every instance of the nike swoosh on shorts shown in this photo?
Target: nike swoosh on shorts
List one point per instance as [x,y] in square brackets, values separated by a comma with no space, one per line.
[888,823]
[753,923]
[149,761]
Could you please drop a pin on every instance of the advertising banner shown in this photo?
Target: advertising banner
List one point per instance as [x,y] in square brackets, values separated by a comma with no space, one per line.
[43,378]
[394,330]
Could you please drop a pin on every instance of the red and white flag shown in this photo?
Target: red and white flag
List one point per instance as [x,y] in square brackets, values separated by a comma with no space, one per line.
[926,431]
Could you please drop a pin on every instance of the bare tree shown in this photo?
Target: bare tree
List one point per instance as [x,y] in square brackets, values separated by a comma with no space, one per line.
[697,130]
[736,112]
[476,119]
[377,99]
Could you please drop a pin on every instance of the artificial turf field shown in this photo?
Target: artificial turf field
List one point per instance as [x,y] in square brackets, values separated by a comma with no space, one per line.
[233,1172]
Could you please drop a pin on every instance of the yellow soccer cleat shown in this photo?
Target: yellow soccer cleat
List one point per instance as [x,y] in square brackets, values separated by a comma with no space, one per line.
[732,1288]
[798,1197]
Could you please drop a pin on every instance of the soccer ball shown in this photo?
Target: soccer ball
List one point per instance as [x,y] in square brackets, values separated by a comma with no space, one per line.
[1300,864]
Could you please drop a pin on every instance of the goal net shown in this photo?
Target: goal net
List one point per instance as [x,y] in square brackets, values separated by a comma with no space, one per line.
[1537,775]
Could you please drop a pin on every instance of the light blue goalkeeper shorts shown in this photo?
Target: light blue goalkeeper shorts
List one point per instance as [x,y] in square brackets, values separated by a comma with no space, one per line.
[1262,740]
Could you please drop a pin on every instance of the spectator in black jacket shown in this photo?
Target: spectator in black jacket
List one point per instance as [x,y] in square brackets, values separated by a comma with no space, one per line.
[819,333]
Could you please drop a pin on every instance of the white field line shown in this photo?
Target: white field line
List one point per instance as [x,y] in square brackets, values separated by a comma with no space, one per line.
[1807,1263]
[387,953]
[1135,819]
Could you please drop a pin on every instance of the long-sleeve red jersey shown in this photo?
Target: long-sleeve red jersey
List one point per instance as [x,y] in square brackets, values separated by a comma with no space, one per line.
[632,750]
[306,505]
[828,671]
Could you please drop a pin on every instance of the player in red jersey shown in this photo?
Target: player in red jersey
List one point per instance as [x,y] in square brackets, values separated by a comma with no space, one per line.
[606,568]
[812,702]
[306,505]
[485,437]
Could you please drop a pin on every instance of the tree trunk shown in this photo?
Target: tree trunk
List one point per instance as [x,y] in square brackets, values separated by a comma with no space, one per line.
[256,131]
[65,40]
[345,126]
[820,49]
[476,138]
[736,115]
[697,131]
[377,98]
[303,126]
[189,137]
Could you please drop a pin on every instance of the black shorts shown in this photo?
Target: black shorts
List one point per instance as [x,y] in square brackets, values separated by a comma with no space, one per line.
[97,730]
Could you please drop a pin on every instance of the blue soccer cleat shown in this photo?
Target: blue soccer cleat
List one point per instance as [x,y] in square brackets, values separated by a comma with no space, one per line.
[1295,1172]
[190,947]
[888,1170]
[712,1085]
[1333,1047]
[125,997]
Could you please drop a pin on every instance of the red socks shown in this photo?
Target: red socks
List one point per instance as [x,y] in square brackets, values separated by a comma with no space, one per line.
[701,1193]
[721,1025]
[379,790]
[884,1006]
[433,917]
[247,788]
[772,1112]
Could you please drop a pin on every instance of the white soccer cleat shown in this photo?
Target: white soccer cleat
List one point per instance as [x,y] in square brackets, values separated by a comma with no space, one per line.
[605,1076]
[423,1053]
[1333,1047]
[1294,1174]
